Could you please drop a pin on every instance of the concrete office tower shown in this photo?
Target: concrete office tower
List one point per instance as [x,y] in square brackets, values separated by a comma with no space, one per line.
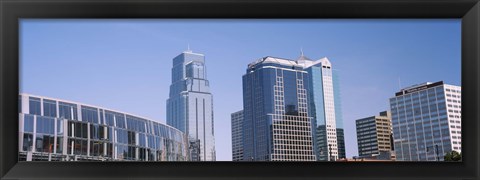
[277,126]
[426,121]
[374,134]
[325,108]
[190,105]
[237,136]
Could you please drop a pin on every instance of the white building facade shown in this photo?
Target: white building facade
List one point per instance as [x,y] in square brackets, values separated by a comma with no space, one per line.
[426,121]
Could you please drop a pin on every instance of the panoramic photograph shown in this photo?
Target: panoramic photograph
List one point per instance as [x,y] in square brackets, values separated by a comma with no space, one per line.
[332,90]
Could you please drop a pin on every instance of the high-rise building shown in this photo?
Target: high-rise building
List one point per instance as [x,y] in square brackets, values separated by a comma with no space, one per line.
[277,126]
[325,108]
[190,105]
[374,134]
[237,136]
[59,130]
[301,90]
[426,121]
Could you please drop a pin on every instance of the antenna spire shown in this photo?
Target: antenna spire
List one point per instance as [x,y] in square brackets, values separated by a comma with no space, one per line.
[301,50]
[399,84]
[188,48]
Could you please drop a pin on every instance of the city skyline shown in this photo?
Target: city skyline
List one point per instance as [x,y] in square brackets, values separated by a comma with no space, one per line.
[419,46]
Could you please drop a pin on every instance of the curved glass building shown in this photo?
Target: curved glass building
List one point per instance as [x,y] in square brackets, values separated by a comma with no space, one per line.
[57,130]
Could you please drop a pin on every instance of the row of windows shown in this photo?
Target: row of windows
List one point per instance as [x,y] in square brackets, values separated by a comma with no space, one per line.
[89,114]
[454,101]
[45,125]
[453,90]
[46,143]
[43,143]
[290,157]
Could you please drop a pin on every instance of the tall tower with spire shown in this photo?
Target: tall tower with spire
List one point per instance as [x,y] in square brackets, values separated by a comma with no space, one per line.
[190,104]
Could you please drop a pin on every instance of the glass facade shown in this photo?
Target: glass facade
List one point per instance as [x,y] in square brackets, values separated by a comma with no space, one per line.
[297,92]
[190,105]
[338,114]
[426,121]
[326,110]
[276,124]
[85,133]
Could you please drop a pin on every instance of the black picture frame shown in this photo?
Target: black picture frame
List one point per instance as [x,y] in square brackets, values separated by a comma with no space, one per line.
[13,10]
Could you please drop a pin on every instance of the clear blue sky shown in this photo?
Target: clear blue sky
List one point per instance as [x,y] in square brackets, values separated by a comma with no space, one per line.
[126,64]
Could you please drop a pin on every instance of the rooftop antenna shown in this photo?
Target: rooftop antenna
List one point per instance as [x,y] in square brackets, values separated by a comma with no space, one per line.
[399,84]
[301,50]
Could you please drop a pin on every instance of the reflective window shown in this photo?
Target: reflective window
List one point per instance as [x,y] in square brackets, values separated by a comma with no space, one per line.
[96,148]
[132,153]
[89,114]
[59,127]
[121,151]
[151,142]
[27,142]
[97,132]
[101,116]
[79,146]
[122,136]
[44,143]
[109,149]
[34,106]
[110,117]
[131,138]
[79,129]
[67,111]
[142,154]
[141,139]
[49,108]
[28,123]
[135,124]
[45,125]
[59,145]
[109,133]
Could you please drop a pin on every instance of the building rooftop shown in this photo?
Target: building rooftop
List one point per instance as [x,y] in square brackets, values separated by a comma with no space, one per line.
[418,87]
[303,61]
[98,107]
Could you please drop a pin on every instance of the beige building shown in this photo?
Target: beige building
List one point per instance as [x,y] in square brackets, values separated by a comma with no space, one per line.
[374,134]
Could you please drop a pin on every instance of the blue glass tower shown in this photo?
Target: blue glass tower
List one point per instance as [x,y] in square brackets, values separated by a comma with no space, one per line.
[325,109]
[190,105]
[277,125]
[281,97]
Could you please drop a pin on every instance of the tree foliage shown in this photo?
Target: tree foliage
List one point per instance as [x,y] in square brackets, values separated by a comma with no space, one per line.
[453,156]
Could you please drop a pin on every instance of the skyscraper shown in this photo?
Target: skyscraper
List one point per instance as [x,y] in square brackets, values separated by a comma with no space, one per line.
[190,105]
[276,126]
[325,108]
[426,121]
[237,136]
[374,134]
